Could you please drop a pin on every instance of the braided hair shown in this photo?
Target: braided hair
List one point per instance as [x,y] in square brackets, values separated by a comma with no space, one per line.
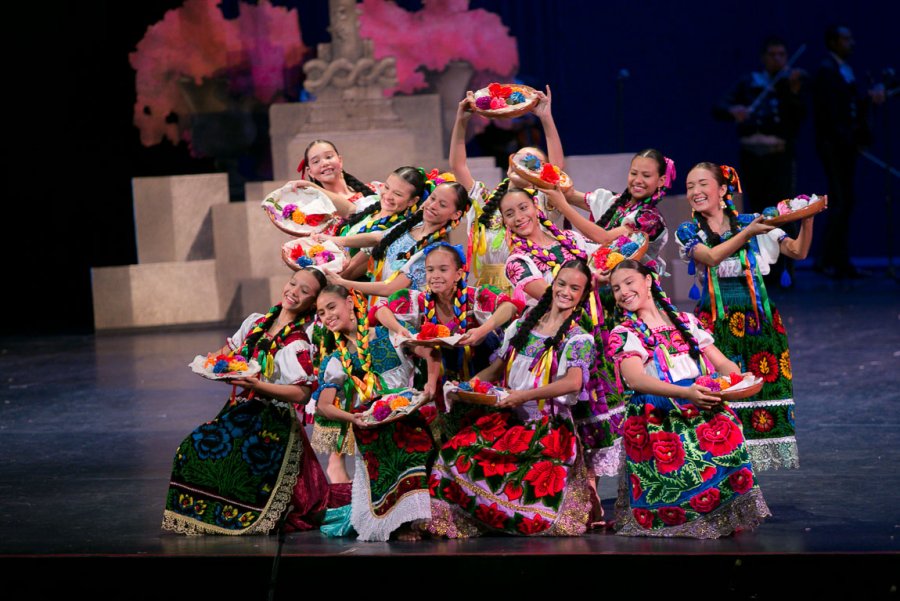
[531,320]
[542,256]
[461,203]
[330,341]
[664,303]
[728,177]
[256,343]
[625,197]
[461,296]
[411,175]
[352,182]
[493,203]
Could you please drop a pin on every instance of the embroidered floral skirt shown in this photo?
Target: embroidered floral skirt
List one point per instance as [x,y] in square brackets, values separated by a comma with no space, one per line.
[687,472]
[237,473]
[500,474]
[390,484]
[760,346]
[598,420]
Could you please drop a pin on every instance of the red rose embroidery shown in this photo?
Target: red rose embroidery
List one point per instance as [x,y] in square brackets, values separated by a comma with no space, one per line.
[433,482]
[636,439]
[463,464]
[516,440]
[708,473]
[636,490]
[428,412]
[464,438]
[764,365]
[705,501]
[644,517]
[668,451]
[559,444]
[512,491]
[689,411]
[705,318]
[411,439]
[495,464]
[491,426]
[741,481]
[455,494]
[533,525]
[546,478]
[672,516]
[719,435]
[654,415]
[365,436]
[371,464]
[491,516]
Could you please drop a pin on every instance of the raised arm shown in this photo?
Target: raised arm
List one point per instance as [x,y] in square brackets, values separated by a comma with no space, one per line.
[582,223]
[371,288]
[457,152]
[344,207]
[551,134]
[798,248]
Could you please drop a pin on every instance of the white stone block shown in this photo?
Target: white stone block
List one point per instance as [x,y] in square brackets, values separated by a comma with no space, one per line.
[172,218]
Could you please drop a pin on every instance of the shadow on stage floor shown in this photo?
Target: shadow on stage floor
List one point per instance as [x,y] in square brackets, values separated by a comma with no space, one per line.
[88,426]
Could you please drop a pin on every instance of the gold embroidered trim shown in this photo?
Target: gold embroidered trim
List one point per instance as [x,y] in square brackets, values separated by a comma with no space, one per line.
[324,439]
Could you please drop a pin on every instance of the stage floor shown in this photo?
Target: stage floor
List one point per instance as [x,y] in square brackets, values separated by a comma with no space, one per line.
[88,425]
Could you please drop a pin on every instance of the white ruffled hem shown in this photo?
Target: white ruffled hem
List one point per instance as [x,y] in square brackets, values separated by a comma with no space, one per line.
[413,506]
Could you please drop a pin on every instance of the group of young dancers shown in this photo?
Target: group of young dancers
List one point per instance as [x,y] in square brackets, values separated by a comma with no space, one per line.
[600,366]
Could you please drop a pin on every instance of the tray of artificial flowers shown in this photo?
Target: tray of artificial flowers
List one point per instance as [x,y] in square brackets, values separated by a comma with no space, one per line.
[731,387]
[229,366]
[302,252]
[793,209]
[300,212]
[504,101]
[394,406]
[632,246]
[544,175]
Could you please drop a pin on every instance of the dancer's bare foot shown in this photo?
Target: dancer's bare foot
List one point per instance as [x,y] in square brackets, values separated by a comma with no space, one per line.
[336,472]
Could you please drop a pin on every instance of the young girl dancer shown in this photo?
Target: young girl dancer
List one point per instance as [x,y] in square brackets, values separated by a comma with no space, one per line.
[517,468]
[687,471]
[733,253]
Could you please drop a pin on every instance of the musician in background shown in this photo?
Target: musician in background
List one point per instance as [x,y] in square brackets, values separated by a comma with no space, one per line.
[768,107]
[840,104]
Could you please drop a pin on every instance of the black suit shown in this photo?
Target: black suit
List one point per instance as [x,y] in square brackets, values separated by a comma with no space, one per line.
[840,120]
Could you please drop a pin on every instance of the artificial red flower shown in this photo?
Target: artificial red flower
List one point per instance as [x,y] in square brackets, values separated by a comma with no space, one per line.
[494,464]
[516,440]
[533,525]
[428,331]
[314,220]
[411,439]
[706,501]
[735,378]
[499,91]
[668,451]
[636,439]
[428,413]
[491,516]
[672,516]
[487,300]
[512,491]
[491,426]
[719,436]
[546,478]
[297,252]
[549,174]
[741,481]
[559,444]
[644,517]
